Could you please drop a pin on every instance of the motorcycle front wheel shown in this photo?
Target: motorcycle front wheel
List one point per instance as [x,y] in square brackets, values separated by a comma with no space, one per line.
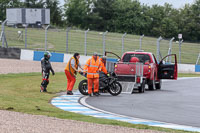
[83,87]
[115,88]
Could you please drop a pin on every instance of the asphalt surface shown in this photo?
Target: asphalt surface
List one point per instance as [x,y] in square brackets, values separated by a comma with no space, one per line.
[177,102]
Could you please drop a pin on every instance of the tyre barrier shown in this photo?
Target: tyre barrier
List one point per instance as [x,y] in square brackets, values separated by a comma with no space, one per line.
[10,53]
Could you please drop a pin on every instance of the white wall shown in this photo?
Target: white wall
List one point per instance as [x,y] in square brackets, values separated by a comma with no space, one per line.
[82,59]
[26,54]
[186,68]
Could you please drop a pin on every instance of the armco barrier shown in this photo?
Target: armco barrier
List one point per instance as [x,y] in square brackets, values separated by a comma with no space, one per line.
[197,68]
[112,60]
[56,57]
[10,53]
[23,54]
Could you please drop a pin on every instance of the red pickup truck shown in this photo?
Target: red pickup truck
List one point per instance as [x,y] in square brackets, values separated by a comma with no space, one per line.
[152,71]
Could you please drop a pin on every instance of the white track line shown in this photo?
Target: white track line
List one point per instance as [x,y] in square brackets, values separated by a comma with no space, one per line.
[71,104]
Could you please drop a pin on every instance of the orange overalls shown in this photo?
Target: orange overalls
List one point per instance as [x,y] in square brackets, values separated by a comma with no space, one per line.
[70,74]
[104,66]
[93,67]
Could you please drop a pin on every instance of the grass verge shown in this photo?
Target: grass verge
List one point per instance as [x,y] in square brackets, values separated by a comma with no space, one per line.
[20,93]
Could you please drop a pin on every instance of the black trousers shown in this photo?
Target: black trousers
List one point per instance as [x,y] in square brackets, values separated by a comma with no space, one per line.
[45,79]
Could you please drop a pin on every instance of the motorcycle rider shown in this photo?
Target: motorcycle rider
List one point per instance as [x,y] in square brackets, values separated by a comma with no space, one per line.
[46,68]
[93,66]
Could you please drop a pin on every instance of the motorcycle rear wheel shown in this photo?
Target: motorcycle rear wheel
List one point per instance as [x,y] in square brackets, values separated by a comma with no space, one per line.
[115,89]
[83,87]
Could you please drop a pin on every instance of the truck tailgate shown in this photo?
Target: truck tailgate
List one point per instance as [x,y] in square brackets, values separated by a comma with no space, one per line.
[125,69]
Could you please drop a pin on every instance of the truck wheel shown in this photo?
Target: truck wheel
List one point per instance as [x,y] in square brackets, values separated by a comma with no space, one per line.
[141,88]
[151,85]
[158,85]
[83,87]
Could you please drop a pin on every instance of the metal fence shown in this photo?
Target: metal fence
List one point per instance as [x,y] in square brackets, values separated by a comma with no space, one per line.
[86,42]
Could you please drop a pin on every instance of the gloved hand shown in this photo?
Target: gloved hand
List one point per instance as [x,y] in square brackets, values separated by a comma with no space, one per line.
[84,74]
[53,73]
[108,74]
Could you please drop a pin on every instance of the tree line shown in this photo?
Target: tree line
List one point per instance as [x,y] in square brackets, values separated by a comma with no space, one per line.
[120,16]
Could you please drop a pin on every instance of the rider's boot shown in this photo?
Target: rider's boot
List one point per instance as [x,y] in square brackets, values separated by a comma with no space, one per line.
[45,89]
[69,93]
[41,88]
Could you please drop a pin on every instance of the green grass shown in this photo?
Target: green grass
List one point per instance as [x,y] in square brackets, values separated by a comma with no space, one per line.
[188,75]
[20,93]
[57,42]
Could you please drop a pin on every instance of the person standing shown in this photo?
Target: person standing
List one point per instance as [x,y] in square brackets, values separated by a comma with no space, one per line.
[71,70]
[93,66]
[46,68]
[103,60]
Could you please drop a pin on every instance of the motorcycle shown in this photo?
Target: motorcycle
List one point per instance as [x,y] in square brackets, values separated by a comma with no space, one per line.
[106,84]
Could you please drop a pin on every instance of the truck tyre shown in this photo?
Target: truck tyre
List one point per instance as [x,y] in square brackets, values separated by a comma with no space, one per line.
[151,84]
[141,88]
[83,87]
[158,85]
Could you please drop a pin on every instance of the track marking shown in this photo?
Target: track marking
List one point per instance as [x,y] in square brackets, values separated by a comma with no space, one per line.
[76,103]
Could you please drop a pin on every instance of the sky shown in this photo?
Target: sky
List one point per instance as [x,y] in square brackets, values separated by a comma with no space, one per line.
[175,3]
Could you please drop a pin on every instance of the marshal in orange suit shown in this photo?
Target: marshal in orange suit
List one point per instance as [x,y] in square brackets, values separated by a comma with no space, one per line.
[93,66]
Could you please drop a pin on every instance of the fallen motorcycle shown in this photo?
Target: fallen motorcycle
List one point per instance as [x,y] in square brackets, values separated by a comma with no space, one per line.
[107,84]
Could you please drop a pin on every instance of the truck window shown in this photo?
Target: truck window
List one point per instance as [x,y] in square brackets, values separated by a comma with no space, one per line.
[142,57]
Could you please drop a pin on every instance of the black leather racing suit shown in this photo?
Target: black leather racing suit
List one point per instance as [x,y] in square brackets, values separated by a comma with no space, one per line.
[46,68]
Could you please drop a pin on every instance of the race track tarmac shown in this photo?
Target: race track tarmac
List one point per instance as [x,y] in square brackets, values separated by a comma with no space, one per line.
[177,102]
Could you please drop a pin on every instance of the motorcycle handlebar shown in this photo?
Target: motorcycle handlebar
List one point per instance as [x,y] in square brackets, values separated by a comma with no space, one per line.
[85,75]
[82,73]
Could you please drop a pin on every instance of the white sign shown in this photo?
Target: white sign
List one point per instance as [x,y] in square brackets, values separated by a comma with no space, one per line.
[180,36]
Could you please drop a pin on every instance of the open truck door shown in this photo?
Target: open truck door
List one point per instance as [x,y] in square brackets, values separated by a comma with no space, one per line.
[107,52]
[167,68]
[110,62]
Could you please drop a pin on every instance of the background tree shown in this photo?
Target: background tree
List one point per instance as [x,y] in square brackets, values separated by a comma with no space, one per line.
[34,3]
[55,11]
[119,16]
[76,12]
[7,4]
[189,24]
[104,9]
[129,17]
